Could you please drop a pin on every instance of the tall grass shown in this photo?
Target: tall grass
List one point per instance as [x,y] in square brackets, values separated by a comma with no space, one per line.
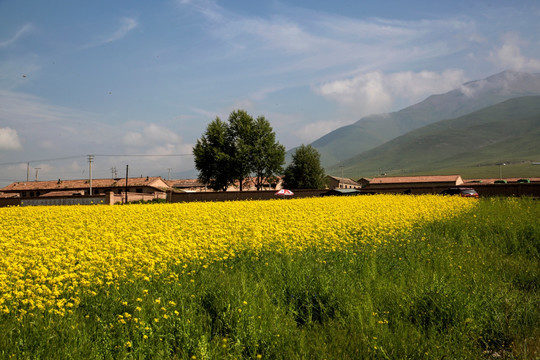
[464,288]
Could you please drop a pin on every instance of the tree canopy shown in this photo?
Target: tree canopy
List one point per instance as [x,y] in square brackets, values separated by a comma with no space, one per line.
[305,171]
[213,156]
[233,151]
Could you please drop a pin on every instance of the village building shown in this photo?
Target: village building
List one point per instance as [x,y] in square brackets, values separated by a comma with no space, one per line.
[414,184]
[485,181]
[363,181]
[250,184]
[335,182]
[32,189]
[187,185]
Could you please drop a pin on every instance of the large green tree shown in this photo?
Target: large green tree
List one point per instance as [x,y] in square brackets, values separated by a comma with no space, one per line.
[213,156]
[234,151]
[268,155]
[241,137]
[304,171]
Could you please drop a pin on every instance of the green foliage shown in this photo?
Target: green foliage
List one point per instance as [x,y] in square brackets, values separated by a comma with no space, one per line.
[267,155]
[463,288]
[234,151]
[305,171]
[213,154]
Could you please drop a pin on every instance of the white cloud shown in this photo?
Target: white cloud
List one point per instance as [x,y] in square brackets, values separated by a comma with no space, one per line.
[19,70]
[313,131]
[246,104]
[208,8]
[18,107]
[9,139]
[46,144]
[133,139]
[125,27]
[303,40]
[26,28]
[54,132]
[151,134]
[377,92]
[509,56]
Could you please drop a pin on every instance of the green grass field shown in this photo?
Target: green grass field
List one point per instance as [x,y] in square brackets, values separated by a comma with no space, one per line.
[465,288]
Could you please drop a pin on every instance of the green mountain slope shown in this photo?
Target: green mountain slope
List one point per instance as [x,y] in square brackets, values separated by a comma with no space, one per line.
[375,130]
[506,132]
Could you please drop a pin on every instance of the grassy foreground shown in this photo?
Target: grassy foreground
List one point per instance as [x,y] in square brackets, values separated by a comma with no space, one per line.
[466,287]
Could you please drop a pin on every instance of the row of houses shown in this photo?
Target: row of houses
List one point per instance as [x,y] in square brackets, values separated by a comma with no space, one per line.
[420,181]
[118,186]
[145,188]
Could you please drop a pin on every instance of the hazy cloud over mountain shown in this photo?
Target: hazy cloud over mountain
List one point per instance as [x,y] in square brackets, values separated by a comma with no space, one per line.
[377,92]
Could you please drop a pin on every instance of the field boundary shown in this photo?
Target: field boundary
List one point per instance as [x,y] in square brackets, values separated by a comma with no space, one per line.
[484,190]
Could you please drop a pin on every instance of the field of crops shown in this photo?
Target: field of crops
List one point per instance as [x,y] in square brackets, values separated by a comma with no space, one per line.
[381,276]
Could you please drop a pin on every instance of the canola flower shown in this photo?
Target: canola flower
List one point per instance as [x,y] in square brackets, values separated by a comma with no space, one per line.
[50,256]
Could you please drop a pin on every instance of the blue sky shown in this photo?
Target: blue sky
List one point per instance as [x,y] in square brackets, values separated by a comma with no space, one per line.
[145,78]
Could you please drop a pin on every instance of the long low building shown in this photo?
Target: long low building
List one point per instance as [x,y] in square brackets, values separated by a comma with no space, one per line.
[390,182]
[31,189]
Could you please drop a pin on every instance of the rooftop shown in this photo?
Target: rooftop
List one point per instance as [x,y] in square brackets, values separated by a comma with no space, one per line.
[343,180]
[59,184]
[417,179]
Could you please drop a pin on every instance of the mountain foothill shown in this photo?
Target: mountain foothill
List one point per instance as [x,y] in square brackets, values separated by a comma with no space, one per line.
[471,130]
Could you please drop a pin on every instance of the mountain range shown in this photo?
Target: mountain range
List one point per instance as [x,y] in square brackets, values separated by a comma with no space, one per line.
[468,119]
[507,132]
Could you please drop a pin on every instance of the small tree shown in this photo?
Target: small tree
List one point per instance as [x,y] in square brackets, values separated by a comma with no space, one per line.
[305,171]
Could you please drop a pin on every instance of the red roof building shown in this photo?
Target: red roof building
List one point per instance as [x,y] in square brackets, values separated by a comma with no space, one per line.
[82,187]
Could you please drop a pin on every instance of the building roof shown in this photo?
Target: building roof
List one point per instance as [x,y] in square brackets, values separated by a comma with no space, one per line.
[492,181]
[343,180]
[417,179]
[63,193]
[344,191]
[184,183]
[8,195]
[55,185]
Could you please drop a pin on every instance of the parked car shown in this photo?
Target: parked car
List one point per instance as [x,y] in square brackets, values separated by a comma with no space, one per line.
[464,192]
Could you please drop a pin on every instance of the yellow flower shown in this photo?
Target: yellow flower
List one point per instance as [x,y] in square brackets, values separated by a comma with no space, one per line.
[54,252]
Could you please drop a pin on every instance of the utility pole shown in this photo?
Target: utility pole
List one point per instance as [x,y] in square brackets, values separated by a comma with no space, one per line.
[126,196]
[37,170]
[90,160]
[27,171]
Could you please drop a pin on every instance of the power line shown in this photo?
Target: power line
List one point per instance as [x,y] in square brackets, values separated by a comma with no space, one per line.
[85,156]
[44,160]
[143,155]
[90,161]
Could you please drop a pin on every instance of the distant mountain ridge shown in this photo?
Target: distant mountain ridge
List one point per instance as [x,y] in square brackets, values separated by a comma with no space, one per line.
[505,132]
[374,130]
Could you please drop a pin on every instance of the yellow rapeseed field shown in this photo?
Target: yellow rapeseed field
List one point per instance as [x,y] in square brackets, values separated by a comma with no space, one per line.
[50,256]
